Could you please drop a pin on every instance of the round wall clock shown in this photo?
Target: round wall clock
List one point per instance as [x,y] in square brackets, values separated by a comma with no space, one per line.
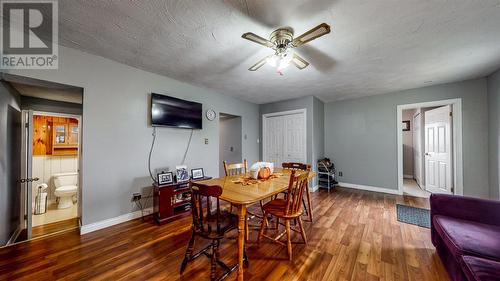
[211,114]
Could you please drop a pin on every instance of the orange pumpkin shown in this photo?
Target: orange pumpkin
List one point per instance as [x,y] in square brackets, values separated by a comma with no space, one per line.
[264,173]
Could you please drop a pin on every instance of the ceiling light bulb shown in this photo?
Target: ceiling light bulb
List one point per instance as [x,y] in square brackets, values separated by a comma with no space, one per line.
[272,60]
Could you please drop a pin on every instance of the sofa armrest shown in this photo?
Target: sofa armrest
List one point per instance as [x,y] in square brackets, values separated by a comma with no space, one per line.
[466,208]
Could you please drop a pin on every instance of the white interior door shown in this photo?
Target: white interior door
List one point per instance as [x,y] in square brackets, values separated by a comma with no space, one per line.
[294,144]
[284,136]
[26,171]
[417,148]
[438,150]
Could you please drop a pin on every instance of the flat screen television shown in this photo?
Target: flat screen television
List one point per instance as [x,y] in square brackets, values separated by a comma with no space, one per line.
[173,112]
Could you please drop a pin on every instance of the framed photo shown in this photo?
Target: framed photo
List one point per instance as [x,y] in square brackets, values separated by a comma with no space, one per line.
[182,173]
[197,173]
[406,125]
[165,178]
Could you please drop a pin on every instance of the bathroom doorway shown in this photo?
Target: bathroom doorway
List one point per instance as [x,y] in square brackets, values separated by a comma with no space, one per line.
[55,160]
[45,177]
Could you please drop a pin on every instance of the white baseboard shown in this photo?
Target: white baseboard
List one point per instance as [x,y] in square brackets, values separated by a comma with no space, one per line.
[84,229]
[313,188]
[370,188]
[408,176]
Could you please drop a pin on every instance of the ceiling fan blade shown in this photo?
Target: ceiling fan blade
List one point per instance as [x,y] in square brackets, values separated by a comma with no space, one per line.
[259,64]
[257,39]
[299,62]
[312,34]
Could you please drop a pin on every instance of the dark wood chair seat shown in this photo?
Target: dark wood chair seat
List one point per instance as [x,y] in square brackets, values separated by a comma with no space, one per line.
[227,222]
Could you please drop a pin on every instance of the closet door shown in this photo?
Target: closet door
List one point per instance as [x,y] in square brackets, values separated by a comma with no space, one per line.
[284,137]
[294,145]
[273,141]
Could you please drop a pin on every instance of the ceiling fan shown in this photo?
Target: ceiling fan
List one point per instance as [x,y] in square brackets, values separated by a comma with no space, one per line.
[283,43]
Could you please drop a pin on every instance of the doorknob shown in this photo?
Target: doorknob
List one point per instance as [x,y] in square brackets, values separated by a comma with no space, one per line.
[428,154]
[28,180]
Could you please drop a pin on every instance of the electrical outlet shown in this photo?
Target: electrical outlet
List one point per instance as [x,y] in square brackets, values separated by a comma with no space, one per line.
[206,141]
[136,196]
[340,174]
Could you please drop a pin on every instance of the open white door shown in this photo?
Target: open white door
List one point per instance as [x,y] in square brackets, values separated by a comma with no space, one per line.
[26,171]
[438,150]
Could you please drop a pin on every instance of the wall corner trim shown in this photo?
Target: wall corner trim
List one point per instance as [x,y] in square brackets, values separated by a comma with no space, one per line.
[314,188]
[84,229]
[370,188]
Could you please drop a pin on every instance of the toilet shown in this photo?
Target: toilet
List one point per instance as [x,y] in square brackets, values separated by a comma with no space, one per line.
[66,187]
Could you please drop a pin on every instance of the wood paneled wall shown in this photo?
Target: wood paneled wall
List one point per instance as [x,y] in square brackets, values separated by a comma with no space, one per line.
[43,134]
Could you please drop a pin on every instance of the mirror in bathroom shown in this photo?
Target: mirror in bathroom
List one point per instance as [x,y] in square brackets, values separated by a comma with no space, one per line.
[60,134]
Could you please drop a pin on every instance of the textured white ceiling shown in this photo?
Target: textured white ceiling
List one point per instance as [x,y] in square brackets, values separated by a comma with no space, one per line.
[376,46]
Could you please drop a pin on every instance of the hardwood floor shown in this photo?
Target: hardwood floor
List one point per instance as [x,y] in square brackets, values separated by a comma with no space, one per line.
[54,227]
[355,236]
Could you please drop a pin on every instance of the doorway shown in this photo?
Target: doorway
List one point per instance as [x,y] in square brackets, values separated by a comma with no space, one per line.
[430,148]
[55,157]
[230,140]
[48,184]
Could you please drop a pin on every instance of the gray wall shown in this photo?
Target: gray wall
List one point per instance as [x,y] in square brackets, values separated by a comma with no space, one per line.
[117,136]
[315,126]
[10,144]
[408,143]
[494,125]
[360,135]
[318,148]
[230,137]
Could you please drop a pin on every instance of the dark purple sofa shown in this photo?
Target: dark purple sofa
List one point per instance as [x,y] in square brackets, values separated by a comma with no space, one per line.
[466,234]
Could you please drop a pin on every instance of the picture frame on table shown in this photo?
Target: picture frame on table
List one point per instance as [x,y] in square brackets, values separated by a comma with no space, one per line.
[165,178]
[197,174]
[182,173]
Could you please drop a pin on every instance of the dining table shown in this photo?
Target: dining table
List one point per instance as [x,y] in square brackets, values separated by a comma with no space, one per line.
[242,193]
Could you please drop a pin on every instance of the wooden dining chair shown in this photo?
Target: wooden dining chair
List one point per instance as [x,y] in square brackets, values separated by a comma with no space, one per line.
[302,167]
[210,224]
[288,209]
[235,169]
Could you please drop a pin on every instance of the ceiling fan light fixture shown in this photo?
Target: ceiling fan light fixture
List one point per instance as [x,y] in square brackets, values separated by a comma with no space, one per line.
[282,42]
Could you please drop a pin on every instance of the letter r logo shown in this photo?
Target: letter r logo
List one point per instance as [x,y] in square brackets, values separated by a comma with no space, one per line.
[27,27]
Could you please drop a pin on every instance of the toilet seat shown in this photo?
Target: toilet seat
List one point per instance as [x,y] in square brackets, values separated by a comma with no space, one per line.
[66,189]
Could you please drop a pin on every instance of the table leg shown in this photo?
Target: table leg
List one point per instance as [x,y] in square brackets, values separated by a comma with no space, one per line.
[242,213]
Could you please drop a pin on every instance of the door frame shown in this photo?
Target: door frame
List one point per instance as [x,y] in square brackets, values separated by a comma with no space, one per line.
[456,105]
[302,111]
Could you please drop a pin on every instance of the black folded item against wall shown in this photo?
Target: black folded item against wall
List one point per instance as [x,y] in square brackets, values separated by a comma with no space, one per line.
[326,173]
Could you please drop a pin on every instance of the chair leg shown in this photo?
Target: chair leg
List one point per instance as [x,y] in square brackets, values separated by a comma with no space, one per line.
[302,232]
[289,239]
[213,261]
[277,223]
[262,210]
[247,236]
[262,226]
[231,209]
[309,206]
[189,253]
